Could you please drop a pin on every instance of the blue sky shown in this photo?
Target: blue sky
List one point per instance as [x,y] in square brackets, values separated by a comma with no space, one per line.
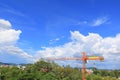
[59,28]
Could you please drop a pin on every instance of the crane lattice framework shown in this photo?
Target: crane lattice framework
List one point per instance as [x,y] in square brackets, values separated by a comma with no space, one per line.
[84,59]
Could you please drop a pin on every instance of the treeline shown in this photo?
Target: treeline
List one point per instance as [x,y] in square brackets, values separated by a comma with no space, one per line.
[45,70]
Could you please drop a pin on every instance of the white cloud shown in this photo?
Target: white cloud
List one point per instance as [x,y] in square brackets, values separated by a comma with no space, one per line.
[92,44]
[9,36]
[57,39]
[53,41]
[94,22]
[10,10]
[82,23]
[4,24]
[8,39]
[99,21]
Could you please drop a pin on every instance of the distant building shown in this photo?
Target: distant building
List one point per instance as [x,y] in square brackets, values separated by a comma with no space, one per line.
[89,71]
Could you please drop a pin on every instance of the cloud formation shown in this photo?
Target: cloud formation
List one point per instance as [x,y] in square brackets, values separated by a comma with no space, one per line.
[94,22]
[4,24]
[92,44]
[99,21]
[10,10]
[9,38]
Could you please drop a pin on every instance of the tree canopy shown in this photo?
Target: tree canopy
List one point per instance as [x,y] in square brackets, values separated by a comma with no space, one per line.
[45,70]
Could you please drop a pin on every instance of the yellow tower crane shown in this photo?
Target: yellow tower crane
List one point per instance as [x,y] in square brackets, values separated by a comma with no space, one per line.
[84,59]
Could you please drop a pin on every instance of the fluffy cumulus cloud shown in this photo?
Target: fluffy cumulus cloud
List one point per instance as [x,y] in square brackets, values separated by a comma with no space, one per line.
[9,38]
[4,24]
[92,44]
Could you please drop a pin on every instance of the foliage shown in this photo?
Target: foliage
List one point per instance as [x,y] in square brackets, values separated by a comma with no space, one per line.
[45,70]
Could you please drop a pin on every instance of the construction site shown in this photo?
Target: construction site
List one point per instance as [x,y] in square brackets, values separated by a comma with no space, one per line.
[59,39]
[84,59]
[47,69]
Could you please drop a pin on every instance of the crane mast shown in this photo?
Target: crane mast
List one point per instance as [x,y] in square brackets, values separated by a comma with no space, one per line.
[84,59]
